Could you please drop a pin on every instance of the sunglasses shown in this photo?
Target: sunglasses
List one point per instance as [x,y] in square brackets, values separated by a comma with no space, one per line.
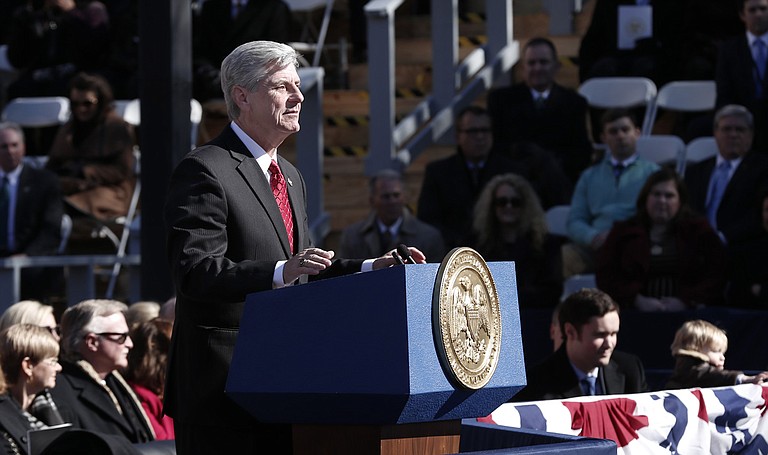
[114,337]
[86,103]
[514,202]
[56,331]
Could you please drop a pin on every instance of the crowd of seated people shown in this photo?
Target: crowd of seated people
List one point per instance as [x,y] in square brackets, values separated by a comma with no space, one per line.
[99,377]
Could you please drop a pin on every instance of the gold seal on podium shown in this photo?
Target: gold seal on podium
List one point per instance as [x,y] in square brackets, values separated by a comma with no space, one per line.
[466,318]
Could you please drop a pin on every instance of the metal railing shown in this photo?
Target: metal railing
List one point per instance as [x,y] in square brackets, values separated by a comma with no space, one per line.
[455,84]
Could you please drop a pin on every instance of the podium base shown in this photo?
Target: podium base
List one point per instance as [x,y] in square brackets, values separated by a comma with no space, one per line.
[428,438]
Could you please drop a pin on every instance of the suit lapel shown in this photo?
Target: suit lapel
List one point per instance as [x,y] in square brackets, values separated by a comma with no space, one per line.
[250,171]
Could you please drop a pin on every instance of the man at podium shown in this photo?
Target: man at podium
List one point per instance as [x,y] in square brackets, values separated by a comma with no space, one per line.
[237,224]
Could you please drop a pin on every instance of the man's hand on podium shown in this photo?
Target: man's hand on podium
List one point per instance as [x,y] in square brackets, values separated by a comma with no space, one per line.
[306,262]
[389,260]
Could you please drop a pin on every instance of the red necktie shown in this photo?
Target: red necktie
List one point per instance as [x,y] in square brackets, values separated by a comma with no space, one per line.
[279,190]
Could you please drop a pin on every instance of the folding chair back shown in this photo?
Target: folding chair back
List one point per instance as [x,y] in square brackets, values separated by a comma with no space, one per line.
[663,149]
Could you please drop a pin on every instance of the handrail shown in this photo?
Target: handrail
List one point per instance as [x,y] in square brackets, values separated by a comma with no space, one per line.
[80,284]
[455,84]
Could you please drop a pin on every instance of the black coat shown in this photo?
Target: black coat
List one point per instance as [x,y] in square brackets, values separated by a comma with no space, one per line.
[554,378]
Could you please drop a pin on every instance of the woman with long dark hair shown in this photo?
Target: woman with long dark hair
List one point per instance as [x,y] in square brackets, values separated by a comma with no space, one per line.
[665,258]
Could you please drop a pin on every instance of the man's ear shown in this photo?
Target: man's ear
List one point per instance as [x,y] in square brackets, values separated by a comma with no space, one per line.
[239,95]
[570,331]
[91,342]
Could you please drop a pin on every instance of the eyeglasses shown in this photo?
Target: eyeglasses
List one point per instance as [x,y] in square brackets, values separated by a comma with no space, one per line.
[55,331]
[115,337]
[51,361]
[514,202]
[86,103]
[476,131]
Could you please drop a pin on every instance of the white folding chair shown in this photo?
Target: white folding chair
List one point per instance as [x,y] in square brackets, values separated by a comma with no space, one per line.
[130,111]
[312,39]
[618,92]
[663,149]
[37,112]
[557,220]
[701,149]
[683,96]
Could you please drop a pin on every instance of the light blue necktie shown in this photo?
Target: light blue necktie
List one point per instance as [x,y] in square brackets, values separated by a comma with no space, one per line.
[588,385]
[5,204]
[716,190]
[761,56]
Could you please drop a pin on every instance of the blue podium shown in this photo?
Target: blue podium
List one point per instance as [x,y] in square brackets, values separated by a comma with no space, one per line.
[358,355]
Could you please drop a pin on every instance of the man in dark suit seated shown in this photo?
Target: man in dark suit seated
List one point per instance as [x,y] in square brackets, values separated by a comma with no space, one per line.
[90,392]
[586,363]
[237,223]
[540,111]
[221,25]
[389,224]
[727,188]
[30,214]
[740,73]
[451,185]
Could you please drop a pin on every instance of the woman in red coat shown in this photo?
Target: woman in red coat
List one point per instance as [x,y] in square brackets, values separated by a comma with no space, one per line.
[665,258]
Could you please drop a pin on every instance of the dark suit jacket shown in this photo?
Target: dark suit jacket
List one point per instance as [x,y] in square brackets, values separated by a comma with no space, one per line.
[560,127]
[554,378]
[739,214]
[362,239]
[225,235]
[600,40]
[216,34]
[735,85]
[85,404]
[38,213]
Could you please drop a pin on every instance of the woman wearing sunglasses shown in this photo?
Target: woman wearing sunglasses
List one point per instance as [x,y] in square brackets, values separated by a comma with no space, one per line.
[509,225]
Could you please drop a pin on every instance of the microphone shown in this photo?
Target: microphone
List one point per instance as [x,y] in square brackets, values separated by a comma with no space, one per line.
[397,258]
[405,253]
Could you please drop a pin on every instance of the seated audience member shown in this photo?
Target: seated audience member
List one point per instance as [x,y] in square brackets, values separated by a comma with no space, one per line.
[35,313]
[389,224]
[451,185]
[740,74]
[748,287]
[540,111]
[727,187]
[664,258]
[220,26]
[93,157]
[139,312]
[699,351]
[50,40]
[624,41]
[606,192]
[147,364]
[30,312]
[30,214]
[29,360]
[509,225]
[91,393]
[586,363]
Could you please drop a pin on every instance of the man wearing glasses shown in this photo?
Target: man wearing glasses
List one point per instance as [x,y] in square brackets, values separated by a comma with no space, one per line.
[90,392]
